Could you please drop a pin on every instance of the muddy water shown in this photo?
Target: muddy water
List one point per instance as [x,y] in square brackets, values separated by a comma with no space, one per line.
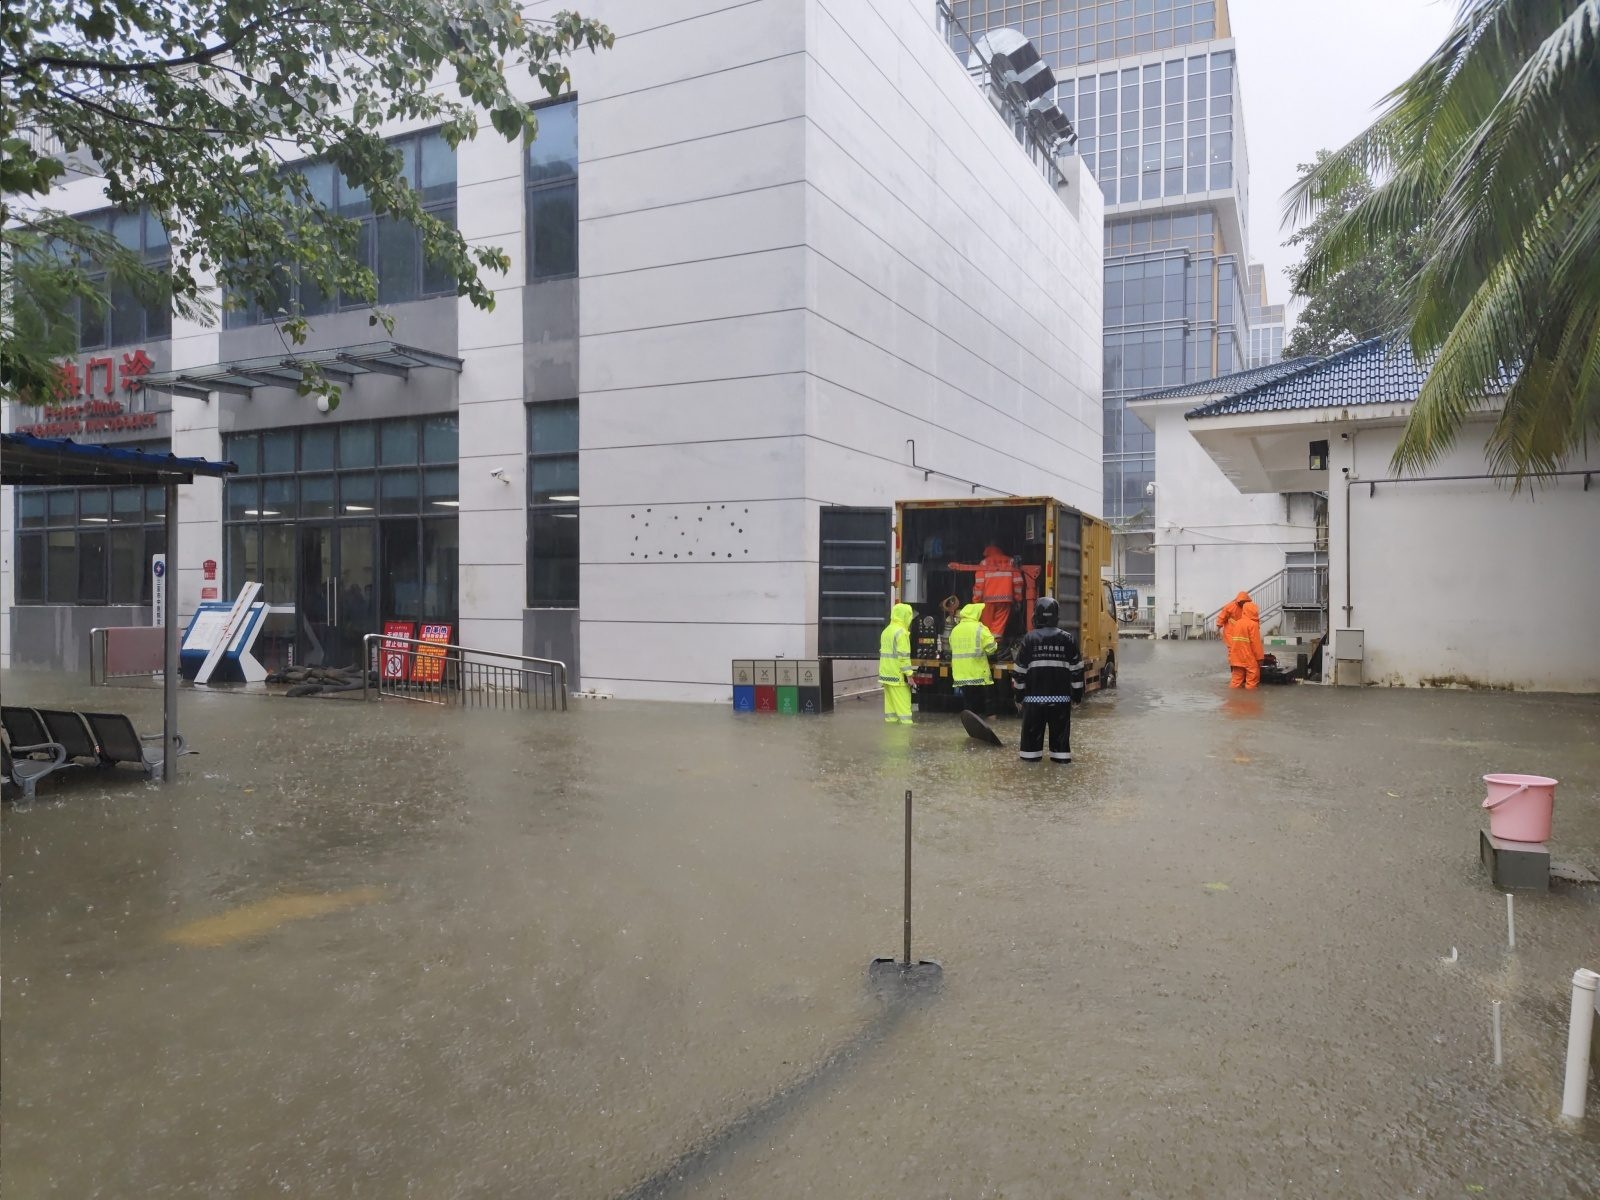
[392,951]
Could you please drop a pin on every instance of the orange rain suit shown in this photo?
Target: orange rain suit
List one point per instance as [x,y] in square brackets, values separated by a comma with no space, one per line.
[1243,635]
[997,584]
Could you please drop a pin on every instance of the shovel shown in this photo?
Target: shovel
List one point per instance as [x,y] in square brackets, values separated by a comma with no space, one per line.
[980,729]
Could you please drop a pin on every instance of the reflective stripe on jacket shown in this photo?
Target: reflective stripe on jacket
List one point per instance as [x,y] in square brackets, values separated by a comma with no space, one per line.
[971,644]
[894,646]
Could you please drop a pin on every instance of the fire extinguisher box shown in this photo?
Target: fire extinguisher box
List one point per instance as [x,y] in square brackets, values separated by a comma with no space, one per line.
[744,685]
[788,675]
[815,685]
[766,685]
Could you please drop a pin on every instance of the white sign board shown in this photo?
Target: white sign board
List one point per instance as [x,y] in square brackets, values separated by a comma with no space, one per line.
[158,590]
[231,628]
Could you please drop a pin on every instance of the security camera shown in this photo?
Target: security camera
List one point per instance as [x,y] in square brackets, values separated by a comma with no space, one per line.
[1150,488]
[498,473]
[1344,471]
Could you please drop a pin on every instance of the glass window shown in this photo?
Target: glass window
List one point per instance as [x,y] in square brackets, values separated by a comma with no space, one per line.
[553,153]
[398,264]
[441,553]
[30,568]
[30,509]
[553,558]
[277,452]
[401,583]
[553,231]
[553,428]
[357,495]
[241,499]
[358,445]
[553,480]
[398,443]
[552,193]
[128,566]
[317,448]
[61,566]
[278,498]
[440,440]
[62,504]
[397,492]
[439,488]
[316,496]
[244,451]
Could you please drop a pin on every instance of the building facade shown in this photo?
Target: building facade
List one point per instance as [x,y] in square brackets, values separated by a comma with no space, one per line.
[1450,576]
[1153,89]
[762,257]
[1212,540]
[1267,322]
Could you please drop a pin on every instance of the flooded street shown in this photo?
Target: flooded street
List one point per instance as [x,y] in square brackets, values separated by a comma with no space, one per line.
[385,951]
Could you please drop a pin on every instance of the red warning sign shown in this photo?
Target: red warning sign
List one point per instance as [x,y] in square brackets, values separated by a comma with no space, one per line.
[395,657]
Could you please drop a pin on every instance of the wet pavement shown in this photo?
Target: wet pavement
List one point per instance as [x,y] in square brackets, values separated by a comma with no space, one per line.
[395,951]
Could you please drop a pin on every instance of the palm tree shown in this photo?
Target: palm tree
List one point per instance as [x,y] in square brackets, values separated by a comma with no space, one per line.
[1490,154]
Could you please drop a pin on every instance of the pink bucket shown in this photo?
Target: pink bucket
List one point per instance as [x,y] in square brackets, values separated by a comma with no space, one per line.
[1520,806]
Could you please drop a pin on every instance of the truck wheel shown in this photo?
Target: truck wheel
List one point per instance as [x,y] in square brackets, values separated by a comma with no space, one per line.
[1108,674]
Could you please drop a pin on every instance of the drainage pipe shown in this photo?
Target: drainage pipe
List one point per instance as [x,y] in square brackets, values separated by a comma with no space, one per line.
[1579,1034]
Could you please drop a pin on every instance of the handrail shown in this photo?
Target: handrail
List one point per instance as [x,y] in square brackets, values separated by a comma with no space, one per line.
[461,681]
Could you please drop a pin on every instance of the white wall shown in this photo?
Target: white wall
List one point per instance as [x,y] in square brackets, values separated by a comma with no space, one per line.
[1211,540]
[805,238]
[1466,582]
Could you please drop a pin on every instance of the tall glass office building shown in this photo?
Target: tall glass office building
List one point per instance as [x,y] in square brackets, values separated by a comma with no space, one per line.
[1152,88]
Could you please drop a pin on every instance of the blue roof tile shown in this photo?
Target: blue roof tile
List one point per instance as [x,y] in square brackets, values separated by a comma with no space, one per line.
[1228,385]
[1377,371]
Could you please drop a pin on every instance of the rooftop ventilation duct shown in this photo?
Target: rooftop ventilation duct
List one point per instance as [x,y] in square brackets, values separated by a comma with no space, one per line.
[1015,63]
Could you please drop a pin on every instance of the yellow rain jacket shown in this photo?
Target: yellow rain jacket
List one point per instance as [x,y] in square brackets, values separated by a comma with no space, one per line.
[971,644]
[894,646]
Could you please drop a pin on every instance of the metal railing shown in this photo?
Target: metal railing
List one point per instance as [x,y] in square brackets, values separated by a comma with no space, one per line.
[1293,588]
[125,652]
[401,668]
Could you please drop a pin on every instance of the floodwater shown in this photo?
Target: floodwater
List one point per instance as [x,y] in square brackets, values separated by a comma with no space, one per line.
[395,951]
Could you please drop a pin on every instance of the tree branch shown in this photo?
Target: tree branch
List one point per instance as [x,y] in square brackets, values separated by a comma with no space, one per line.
[201,57]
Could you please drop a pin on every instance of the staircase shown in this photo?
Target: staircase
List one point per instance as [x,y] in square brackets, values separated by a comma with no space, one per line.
[1291,591]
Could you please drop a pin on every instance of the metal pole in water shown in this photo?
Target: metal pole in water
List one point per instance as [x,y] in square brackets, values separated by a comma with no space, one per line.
[1579,1034]
[1511,923]
[906,961]
[1499,1058]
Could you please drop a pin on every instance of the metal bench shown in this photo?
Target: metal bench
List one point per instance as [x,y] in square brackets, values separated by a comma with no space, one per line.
[25,772]
[121,744]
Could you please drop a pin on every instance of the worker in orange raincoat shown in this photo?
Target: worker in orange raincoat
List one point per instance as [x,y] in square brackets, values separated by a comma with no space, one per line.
[1229,612]
[1243,635]
[997,584]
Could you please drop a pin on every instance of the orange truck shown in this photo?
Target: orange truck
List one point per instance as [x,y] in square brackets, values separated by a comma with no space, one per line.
[1004,553]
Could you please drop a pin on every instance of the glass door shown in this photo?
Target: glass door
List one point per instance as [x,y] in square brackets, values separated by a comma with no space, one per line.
[355,592]
[314,597]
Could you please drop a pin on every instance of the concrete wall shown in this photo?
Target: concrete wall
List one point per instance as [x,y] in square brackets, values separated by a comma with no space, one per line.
[1466,582]
[1211,540]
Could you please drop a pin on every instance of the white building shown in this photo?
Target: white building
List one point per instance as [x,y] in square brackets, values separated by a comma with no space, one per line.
[1211,540]
[1448,577]
[765,254]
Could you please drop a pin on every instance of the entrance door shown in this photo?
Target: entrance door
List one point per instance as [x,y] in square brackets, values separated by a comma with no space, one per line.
[335,597]
[356,595]
[314,599]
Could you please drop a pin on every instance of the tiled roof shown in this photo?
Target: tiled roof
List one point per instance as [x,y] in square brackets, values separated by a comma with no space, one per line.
[1377,371]
[1227,385]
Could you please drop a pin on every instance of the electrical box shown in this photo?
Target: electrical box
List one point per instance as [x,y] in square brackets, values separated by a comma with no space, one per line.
[911,586]
[1349,656]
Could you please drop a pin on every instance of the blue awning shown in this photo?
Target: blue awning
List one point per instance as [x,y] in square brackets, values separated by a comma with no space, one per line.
[34,462]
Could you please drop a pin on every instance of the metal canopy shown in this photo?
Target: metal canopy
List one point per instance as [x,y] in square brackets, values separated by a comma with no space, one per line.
[32,462]
[341,364]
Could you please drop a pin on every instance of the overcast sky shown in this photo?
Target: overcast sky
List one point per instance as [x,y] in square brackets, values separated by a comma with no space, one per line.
[1312,73]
